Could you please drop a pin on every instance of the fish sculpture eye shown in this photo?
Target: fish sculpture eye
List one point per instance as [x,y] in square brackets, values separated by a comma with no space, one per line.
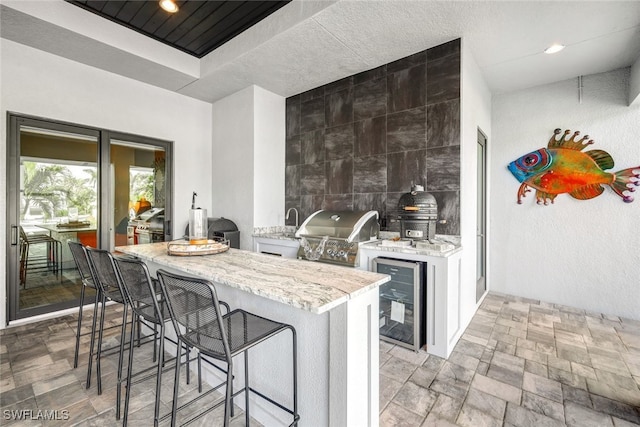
[530,160]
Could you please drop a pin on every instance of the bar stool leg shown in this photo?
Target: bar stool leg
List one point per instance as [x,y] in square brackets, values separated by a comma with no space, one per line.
[129,367]
[246,387]
[156,418]
[75,357]
[102,298]
[176,383]
[123,337]
[295,377]
[228,405]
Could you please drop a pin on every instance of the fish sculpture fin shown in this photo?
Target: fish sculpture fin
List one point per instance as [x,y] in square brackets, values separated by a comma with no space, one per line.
[602,158]
[571,143]
[522,192]
[543,198]
[623,180]
[587,192]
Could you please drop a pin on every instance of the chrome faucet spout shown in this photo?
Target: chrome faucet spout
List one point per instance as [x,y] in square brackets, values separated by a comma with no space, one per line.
[289,212]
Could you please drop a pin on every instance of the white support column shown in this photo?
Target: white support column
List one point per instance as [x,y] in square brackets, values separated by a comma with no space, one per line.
[354,355]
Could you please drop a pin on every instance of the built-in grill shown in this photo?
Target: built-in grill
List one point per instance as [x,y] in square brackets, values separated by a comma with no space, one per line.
[418,214]
[148,227]
[335,236]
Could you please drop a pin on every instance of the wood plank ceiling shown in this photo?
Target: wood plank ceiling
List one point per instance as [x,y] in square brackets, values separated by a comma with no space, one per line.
[197,28]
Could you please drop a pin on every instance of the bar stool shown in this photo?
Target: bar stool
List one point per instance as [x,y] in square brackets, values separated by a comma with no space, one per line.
[104,276]
[50,261]
[220,337]
[82,265]
[140,293]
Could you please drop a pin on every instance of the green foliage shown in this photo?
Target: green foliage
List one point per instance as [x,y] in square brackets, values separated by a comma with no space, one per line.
[142,185]
[54,189]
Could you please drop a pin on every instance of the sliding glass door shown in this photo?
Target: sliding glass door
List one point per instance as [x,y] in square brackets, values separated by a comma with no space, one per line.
[72,183]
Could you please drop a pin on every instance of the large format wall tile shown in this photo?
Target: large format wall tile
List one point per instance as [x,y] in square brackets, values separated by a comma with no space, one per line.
[312,179]
[339,108]
[339,175]
[370,99]
[371,202]
[292,150]
[370,174]
[448,210]
[338,202]
[443,168]
[372,74]
[443,82]
[406,89]
[312,114]
[292,115]
[312,146]
[292,181]
[443,124]
[404,169]
[338,142]
[362,141]
[406,130]
[370,137]
[309,204]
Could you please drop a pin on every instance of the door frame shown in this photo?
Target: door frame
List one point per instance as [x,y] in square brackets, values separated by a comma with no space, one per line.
[481,223]
[103,136]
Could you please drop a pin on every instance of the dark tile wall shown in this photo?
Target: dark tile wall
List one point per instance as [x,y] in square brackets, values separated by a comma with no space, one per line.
[360,142]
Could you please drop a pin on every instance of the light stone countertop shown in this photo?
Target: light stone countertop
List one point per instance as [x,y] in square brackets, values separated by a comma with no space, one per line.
[312,286]
[377,246]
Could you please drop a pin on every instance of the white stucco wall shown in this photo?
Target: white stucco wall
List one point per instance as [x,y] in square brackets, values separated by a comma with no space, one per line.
[269,158]
[475,113]
[583,253]
[634,83]
[40,84]
[232,172]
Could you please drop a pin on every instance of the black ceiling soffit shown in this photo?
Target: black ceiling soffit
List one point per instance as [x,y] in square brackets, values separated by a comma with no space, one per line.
[197,28]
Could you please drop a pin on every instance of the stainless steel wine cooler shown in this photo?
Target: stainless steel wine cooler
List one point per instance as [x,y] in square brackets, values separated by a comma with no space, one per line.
[402,302]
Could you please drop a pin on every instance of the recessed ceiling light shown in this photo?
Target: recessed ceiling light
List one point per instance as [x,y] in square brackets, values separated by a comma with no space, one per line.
[169,5]
[554,48]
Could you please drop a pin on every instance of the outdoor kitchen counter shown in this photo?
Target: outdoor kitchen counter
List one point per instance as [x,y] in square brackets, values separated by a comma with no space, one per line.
[334,311]
[311,286]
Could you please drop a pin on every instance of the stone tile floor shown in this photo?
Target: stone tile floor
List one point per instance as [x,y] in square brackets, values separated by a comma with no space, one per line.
[519,363]
[37,374]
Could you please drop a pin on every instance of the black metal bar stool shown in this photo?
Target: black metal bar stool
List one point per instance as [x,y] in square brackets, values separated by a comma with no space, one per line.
[220,337]
[139,290]
[104,276]
[50,261]
[146,301]
[80,258]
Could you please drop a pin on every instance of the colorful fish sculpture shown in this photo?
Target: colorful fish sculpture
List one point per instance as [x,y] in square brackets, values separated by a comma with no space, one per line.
[562,167]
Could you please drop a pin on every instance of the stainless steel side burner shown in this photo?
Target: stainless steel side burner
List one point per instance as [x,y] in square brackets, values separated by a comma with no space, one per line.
[335,236]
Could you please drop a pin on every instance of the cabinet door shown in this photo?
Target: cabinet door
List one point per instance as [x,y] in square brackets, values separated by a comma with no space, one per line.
[277,247]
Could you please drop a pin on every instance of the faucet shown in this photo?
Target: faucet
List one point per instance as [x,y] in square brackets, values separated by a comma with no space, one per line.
[289,212]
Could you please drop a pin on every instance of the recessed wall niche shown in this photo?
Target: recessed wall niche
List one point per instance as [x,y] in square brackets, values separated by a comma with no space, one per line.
[359,143]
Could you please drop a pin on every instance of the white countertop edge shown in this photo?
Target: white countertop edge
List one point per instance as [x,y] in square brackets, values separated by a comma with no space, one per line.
[377,246]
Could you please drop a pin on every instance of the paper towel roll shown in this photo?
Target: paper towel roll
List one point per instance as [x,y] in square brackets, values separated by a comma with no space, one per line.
[198,226]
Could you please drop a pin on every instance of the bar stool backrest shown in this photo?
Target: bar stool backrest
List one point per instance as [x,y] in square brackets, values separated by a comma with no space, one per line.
[195,312]
[80,258]
[104,273]
[138,288]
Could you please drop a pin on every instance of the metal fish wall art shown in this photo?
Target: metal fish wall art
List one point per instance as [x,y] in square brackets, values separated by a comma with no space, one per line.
[562,167]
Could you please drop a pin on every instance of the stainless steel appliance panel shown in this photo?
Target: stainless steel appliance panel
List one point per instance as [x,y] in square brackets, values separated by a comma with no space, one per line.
[402,302]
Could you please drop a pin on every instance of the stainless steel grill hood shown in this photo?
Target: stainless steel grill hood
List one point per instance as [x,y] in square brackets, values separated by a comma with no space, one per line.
[352,226]
[334,236]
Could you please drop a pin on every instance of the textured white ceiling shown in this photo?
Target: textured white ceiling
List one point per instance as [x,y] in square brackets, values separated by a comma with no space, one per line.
[309,43]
